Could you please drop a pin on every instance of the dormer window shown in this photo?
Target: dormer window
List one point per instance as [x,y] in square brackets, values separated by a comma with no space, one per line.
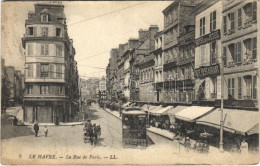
[44,17]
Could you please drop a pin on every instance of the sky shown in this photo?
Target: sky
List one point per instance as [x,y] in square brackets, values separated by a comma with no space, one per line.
[95,27]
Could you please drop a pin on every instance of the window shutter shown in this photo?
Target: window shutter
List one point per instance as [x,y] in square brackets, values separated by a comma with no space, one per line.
[46,49]
[38,70]
[235,53]
[42,49]
[254,11]
[52,70]
[42,29]
[47,31]
[239,52]
[27,31]
[35,31]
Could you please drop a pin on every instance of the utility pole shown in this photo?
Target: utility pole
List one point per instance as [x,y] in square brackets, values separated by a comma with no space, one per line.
[222,105]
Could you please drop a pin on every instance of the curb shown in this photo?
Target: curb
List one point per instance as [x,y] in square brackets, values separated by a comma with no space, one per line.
[112,114]
[160,134]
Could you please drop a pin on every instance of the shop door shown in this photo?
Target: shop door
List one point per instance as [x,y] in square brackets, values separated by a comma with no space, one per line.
[29,114]
[44,114]
[60,113]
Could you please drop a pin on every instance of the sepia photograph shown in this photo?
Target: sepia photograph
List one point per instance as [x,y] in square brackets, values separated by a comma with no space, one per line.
[130,82]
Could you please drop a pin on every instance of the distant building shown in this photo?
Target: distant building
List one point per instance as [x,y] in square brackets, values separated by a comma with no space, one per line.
[51,76]
[11,86]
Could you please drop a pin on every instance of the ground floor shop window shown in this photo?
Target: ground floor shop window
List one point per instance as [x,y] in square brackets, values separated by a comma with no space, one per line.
[231,87]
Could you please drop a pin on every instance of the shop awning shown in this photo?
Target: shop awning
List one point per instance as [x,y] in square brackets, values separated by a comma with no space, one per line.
[151,107]
[171,112]
[240,121]
[192,113]
[159,112]
[155,109]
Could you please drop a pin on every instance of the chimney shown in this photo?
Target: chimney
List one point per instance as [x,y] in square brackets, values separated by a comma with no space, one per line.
[132,42]
[142,35]
[153,29]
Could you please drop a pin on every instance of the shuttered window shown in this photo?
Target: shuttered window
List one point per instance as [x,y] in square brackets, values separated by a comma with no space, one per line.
[239,17]
[238,53]
[254,90]
[52,70]
[239,85]
[254,11]
[225,24]
[225,56]
[213,17]
[231,87]
[44,49]
[58,50]
[59,71]
[30,49]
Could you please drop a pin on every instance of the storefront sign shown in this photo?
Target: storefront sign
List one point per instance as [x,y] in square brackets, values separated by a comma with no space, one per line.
[208,38]
[208,71]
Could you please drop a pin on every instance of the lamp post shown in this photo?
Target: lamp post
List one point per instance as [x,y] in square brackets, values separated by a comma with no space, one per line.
[221,149]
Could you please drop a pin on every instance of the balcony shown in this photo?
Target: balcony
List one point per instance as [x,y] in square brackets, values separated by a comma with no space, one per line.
[248,24]
[247,97]
[231,64]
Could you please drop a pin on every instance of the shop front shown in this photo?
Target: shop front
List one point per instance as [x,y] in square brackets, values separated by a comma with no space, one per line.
[44,111]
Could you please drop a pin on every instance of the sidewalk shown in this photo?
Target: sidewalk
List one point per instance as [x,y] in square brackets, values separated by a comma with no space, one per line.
[165,133]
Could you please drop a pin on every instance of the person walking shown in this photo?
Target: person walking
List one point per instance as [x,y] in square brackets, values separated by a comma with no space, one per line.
[36,128]
[45,131]
[187,145]
[244,147]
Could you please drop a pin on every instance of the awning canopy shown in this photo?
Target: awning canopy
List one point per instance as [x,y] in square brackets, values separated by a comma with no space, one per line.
[240,121]
[192,113]
[161,111]
[171,112]
[155,109]
[151,107]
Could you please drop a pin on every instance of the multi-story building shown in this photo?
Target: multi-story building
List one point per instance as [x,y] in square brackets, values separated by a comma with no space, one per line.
[158,64]
[178,16]
[240,46]
[5,93]
[132,43]
[18,86]
[50,69]
[11,86]
[208,50]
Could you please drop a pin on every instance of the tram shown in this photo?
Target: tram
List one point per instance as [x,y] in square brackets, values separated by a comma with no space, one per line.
[134,127]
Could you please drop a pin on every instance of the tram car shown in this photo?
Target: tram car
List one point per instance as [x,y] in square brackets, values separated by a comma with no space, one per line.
[134,127]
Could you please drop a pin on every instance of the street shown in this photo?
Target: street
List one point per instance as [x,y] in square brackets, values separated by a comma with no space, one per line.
[66,141]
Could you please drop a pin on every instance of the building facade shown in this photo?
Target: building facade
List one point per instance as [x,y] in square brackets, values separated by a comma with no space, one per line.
[51,77]
[178,58]
[208,50]
[240,46]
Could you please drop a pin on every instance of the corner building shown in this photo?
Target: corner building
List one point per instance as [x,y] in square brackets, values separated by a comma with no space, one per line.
[50,69]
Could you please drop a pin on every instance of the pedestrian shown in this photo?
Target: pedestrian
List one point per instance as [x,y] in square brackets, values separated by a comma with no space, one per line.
[187,145]
[15,121]
[244,147]
[205,147]
[36,128]
[45,130]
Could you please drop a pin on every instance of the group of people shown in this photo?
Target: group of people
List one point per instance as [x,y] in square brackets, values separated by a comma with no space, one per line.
[37,128]
[92,132]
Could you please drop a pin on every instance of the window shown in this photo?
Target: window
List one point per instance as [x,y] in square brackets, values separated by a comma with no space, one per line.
[238,53]
[239,17]
[254,49]
[44,70]
[30,49]
[213,21]
[202,26]
[58,32]
[214,83]
[59,71]
[225,24]
[44,31]
[231,87]
[44,17]
[58,50]
[202,54]
[44,49]
[213,53]
[248,12]
[248,81]
[254,11]
[52,70]
[60,89]
[30,31]
[254,90]
[44,89]
[30,71]
[231,48]
[232,21]
[29,89]
[225,56]
[239,85]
